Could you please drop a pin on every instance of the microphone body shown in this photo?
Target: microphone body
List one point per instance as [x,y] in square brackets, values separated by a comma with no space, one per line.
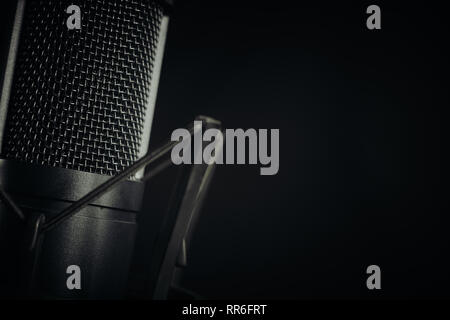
[76,109]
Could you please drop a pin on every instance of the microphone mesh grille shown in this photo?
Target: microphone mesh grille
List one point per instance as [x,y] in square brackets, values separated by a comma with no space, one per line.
[79,97]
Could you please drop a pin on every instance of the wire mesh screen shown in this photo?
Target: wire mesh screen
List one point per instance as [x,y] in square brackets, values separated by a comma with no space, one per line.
[79,97]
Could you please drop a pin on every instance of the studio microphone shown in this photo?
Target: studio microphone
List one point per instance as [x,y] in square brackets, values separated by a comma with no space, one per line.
[76,109]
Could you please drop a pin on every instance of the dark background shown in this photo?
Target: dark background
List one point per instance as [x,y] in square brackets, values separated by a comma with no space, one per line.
[361,119]
[362,176]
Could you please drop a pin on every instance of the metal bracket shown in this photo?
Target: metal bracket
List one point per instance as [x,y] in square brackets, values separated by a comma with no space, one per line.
[190,192]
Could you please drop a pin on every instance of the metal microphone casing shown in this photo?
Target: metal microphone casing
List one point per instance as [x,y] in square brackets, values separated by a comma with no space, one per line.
[76,109]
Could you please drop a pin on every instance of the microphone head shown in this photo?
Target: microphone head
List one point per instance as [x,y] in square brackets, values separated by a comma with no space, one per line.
[84,99]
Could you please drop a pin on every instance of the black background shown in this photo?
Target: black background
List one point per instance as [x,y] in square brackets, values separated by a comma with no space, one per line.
[361,119]
[362,175]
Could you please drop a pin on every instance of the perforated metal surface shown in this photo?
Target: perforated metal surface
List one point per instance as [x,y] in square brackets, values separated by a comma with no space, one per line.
[79,97]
